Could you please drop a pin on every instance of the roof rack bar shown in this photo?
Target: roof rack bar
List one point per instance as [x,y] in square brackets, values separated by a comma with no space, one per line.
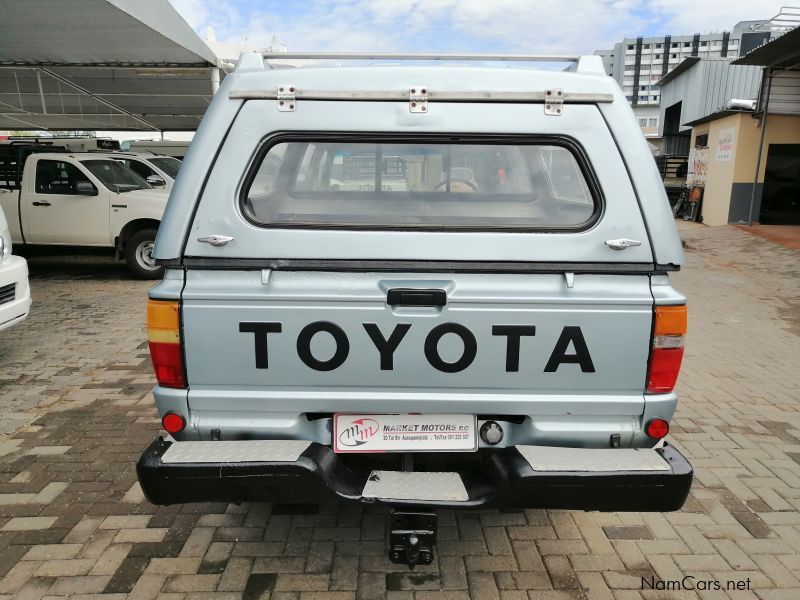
[423,56]
[433,95]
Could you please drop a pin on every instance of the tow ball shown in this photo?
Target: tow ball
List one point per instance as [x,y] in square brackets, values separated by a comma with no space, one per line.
[412,536]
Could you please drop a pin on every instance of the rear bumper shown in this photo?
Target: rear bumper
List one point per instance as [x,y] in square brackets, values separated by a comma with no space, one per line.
[496,478]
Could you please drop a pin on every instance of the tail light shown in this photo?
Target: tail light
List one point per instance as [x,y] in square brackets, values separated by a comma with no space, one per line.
[667,352]
[164,339]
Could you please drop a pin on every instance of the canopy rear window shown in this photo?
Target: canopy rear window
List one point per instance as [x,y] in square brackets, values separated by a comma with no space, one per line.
[533,185]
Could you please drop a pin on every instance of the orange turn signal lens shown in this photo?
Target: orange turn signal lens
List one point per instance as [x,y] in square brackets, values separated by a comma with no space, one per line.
[670,320]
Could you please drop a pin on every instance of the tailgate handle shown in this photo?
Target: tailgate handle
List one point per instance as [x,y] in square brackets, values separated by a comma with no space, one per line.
[416,297]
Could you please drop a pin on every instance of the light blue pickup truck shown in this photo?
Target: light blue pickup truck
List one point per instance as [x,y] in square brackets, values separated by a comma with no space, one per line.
[419,285]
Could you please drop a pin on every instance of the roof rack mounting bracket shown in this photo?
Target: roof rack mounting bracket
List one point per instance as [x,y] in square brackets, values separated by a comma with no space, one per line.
[286,99]
[418,98]
[553,101]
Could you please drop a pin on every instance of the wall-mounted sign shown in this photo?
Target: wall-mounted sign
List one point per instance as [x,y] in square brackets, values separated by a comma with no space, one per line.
[725,144]
[698,159]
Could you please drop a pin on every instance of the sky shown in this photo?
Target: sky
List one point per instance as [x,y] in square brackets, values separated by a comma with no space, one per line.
[511,26]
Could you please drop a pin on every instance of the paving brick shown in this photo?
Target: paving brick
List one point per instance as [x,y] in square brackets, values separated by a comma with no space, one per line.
[300,582]
[66,567]
[191,583]
[155,534]
[28,523]
[73,586]
[234,577]
[52,552]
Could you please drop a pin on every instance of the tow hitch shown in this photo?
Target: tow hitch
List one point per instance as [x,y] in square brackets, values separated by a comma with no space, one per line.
[412,536]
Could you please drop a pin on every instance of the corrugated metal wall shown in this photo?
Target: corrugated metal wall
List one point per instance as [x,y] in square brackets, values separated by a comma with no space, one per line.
[707,86]
[721,82]
[784,97]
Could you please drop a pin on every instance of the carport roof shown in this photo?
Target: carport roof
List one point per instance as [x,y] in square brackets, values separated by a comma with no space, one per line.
[101,64]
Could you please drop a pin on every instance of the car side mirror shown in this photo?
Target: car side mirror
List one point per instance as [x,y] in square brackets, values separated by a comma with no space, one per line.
[156,181]
[85,188]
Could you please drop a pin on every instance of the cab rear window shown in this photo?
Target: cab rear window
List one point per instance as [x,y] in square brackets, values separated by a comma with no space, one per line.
[420,185]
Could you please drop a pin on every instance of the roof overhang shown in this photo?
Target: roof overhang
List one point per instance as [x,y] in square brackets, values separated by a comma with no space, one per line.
[101,64]
[686,64]
[781,52]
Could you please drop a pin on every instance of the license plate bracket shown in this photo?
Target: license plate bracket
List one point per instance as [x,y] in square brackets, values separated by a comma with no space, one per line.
[397,432]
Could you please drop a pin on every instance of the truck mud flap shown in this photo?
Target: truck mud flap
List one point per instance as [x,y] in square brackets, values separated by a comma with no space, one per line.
[288,471]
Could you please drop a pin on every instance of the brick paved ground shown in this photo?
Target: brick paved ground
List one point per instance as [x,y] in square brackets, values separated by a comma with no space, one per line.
[74,383]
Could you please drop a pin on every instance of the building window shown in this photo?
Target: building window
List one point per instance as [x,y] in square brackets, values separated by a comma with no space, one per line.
[674,46]
[686,44]
[659,45]
[630,47]
[642,122]
[674,56]
[646,46]
[704,43]
[658,56]
[701,141]
[652,122]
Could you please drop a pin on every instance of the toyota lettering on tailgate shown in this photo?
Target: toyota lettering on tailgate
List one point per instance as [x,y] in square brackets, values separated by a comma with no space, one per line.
[569,348]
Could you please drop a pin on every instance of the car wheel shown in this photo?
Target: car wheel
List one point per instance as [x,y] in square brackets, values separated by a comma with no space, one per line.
[139,255]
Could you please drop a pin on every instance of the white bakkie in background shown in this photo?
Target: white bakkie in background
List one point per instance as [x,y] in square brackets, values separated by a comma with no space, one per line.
[15,294]
[158,171]
[85,199]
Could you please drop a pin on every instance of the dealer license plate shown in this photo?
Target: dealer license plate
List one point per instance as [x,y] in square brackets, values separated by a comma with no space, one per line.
[404,433]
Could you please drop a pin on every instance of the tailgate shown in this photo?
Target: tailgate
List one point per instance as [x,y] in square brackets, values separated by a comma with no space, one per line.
[321,341]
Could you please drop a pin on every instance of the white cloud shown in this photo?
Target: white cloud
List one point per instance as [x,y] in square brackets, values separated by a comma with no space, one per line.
[529,26]
[691,16]
[194,12]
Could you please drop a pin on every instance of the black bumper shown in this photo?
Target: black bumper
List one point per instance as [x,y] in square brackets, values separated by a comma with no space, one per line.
[496,478]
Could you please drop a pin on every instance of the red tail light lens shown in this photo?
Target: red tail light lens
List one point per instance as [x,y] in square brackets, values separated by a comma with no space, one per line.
[657,428]
[173,422]
[164,339]
[667,352]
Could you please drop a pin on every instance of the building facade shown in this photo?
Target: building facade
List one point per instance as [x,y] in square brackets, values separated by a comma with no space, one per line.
[638,64]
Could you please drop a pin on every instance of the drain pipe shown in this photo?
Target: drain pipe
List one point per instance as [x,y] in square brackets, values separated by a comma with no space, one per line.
[765,112]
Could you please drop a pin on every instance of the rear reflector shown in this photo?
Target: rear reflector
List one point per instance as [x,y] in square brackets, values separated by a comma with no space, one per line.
[173,422]
[657,428]
[667,351]
[164,339]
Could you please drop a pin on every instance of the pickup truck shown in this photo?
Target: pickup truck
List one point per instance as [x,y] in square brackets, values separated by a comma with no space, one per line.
[80,199]
[159,171]
[421,287]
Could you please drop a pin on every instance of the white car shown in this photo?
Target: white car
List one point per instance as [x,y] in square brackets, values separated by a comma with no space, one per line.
[157,170]
[15,294]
